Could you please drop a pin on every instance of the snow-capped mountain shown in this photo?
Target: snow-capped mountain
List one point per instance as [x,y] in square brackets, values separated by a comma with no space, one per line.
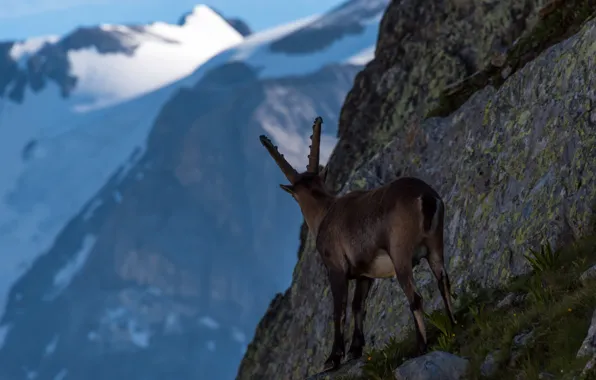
[141,231]
[61,116]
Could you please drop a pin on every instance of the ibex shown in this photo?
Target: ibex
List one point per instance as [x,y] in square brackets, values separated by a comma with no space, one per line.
[364,235]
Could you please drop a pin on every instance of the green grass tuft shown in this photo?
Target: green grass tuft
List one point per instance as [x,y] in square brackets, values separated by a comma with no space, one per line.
[545,259]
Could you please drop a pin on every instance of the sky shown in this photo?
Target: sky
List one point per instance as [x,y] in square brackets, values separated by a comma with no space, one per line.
[20,19]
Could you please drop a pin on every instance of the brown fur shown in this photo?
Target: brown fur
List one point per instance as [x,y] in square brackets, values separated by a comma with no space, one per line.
[370,234]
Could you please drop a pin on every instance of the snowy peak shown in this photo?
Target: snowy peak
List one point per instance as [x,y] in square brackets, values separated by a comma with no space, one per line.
[238,24]
[195,15]
[201,19]
[91,62]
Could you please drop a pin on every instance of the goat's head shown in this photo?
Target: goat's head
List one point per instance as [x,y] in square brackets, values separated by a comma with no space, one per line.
[306,185]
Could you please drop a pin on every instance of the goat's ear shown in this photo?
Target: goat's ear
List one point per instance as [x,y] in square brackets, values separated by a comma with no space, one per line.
[323,172]
[288,188]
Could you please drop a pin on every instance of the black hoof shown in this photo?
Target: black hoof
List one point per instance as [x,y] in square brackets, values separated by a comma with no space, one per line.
[354,353]
[332,363]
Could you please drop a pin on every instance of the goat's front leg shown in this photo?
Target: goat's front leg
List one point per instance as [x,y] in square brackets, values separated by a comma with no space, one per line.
[363,285]
[339,290]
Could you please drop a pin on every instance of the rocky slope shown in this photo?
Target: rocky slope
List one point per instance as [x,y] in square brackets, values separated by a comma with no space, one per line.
[515,163]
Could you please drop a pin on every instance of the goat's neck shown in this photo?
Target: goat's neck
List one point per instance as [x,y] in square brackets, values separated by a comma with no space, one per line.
[314,211]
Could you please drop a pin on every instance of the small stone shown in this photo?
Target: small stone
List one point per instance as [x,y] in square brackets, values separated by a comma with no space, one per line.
[490,365]
[437,365]
[523,339]
[589,274]
[511,299]
[506,302]
[519,341]
[588,347]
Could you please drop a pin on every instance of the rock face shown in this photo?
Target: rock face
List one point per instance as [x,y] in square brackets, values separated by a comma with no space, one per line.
[515,165]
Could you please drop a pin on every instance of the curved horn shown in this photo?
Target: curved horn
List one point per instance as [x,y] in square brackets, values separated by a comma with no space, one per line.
[284,165]
[313,157]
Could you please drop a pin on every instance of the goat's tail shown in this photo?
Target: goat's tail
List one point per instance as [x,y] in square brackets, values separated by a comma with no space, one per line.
[438,215]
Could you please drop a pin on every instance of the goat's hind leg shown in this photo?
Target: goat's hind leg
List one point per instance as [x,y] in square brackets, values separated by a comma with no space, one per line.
[402,260]
[363,285]
[338,282]
[437,265]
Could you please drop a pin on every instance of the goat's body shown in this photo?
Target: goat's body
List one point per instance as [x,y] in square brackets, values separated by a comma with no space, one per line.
[364,225]
[381,233]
